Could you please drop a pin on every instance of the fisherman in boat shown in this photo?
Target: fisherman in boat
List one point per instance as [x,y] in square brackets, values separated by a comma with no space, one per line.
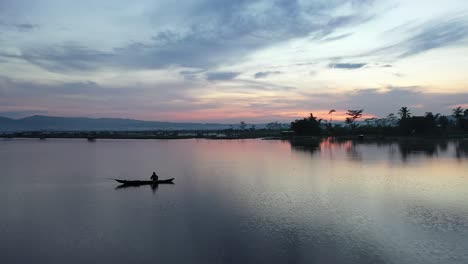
[154,177]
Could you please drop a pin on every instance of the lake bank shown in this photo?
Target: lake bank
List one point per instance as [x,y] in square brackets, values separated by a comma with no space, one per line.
[209,134]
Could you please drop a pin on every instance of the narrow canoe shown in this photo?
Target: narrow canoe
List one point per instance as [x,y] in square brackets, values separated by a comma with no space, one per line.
[168,181]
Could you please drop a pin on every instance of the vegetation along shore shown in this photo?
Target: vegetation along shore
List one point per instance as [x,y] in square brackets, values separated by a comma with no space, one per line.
[401,125]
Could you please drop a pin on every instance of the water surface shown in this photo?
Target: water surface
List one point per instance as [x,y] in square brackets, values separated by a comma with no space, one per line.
[237,201]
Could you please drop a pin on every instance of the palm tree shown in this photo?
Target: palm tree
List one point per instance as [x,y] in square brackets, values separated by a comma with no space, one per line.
[457,112]
[404,112]
[331,114]
[353,115]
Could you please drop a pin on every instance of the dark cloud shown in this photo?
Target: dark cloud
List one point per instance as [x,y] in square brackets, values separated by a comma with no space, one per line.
[23,89]
[66,57]
[437,35]
[247,86]
[18,26]
[26,27]
[210,33]
[221,76]
[383,101]
[374,101]
[265,74]
[348,66]
[334,38]
[432,35]
[191,75]
[91,99]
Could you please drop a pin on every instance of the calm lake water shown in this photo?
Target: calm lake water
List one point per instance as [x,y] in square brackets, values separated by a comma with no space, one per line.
[237,201]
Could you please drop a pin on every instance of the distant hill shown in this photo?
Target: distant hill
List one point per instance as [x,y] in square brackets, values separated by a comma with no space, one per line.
[49,123]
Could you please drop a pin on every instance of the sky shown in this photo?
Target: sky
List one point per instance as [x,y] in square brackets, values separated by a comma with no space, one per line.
[231,61]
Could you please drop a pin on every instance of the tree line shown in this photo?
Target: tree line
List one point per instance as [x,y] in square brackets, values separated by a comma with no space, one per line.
[402,124]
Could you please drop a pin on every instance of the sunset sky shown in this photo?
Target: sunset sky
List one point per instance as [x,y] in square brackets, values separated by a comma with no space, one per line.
[226,61]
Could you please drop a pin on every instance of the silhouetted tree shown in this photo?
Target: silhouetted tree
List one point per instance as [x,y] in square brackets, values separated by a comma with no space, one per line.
[371,121]
[443,122]
[457,112]
[461,118]
[307,126]
[405,123]
[391,120]
[404,112]
[430,124]
[243,125]
[331,114]
[353,115]
[274,126]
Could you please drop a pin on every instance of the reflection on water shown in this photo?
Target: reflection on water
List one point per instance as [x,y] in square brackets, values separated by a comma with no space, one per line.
[306,144]
[462,149]
[239,201]
[152,187]
[407,148]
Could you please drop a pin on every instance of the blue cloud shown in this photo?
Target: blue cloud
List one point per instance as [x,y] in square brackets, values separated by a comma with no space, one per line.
[211,33]
[265,74]
[26,26]
[334,38]
[221,76]
[438,33]
[376,101]
[348,66]
[18,26]
[66,57]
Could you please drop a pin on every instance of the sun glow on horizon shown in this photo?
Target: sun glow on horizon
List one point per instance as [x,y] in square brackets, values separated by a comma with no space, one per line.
[253,64]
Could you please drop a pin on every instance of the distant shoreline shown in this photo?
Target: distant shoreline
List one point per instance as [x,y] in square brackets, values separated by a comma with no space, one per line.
[94,135]
[216,135]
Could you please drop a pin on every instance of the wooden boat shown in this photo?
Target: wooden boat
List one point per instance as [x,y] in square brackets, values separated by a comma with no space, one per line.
[136,183]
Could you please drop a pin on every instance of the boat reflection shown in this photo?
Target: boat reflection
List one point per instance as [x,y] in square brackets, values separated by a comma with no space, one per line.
[153,187]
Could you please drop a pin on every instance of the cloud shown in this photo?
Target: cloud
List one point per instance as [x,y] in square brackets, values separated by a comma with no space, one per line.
[26,27]
[191,75]
[208,34]
[265,74]
[96,100]
[183,101]
[18,26]
[63,58]
[221,76]
[435,34]
[334,38]
[348,66]
[381,101]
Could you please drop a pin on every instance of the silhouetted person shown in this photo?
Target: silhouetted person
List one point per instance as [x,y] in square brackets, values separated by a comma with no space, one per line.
[154,177]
